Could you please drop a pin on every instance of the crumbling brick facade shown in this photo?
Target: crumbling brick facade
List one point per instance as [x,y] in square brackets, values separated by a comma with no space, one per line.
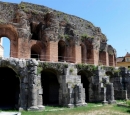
[49,37]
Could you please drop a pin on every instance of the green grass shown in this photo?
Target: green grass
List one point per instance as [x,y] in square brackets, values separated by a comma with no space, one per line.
[49,110]
[90,109]
[121,109]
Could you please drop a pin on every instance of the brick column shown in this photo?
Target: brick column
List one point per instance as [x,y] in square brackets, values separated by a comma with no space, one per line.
[95,56]
[23,48]
[114,63]
[53,51]
[77,54]
[107,59]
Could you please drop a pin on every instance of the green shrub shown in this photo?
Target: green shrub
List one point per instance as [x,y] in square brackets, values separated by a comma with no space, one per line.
[128,102]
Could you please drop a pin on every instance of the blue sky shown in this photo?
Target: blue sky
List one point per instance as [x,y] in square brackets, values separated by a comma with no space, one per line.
[112,16]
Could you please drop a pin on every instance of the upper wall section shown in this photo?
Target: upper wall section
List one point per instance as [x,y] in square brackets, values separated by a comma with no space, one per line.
[42,23]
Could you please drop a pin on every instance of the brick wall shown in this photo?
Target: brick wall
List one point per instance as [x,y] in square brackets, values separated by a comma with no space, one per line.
[96,56]
[7,30]
[102,57]
[23,48]
[110,60]
[53,49]
[77,54]
[107,59]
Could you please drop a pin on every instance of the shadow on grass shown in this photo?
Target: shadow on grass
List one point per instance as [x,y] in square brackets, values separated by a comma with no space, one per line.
[8,108]
[128,111]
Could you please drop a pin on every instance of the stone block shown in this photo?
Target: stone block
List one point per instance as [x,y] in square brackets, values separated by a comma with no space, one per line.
[40,91]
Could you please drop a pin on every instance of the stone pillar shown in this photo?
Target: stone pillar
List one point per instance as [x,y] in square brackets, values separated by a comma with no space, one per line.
[32,104]
[70,98]
[110,93]
[33,88]
[39,94]
[105,102]
[79,95]
[23,96]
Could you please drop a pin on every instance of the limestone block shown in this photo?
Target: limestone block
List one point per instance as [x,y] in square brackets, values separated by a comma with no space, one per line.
[39,102]
[13,62]
[25,80]
[22,63]
[40,91]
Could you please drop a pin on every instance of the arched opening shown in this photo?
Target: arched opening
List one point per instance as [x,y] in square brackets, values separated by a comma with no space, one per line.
[61,50]
[102,58]
[89,52]
[85,82]
[50,87]
[6,47]
[83,53]
[9,88]
[35,30]
[89,55]
[35,52]
[110,60]
[9,31]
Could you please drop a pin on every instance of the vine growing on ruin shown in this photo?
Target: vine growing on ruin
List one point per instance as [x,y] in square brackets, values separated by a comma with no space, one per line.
[90,68]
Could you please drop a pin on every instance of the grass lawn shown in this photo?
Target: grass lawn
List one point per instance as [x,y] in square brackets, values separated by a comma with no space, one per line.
[90,109]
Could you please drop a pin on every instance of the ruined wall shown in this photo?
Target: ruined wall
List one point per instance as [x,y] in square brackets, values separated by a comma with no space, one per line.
[25,22]
[77,83]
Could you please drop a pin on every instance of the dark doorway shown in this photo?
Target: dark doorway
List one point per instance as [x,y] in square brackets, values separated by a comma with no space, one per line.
[61,51]
[50,87]
[9,88]
[35,52]
[102,58]
[85,82]
[34,55]
[83,53]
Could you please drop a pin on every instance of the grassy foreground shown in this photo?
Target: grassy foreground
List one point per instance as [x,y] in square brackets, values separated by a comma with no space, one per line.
[90,109]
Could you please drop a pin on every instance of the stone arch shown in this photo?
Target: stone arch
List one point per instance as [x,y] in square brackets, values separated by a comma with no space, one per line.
[51,85]
[9,31]
[20,68]
[102,58]
[85,80]
[37,48]
[61,50]
[35,52]
[9,88]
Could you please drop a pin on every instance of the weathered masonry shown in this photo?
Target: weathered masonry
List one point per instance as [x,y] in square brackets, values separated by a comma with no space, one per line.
[63,47]
[48,35]
[32,84]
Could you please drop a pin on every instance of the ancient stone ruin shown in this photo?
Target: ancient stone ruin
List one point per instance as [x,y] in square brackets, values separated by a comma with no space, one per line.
[56,59]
